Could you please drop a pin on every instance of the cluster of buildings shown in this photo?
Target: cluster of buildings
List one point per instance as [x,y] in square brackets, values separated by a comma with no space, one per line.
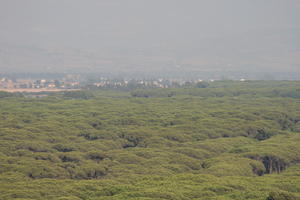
[152,83]
[76,82]
[6,83]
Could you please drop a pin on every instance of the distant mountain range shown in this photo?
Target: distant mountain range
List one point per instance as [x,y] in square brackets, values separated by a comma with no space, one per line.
[272,51]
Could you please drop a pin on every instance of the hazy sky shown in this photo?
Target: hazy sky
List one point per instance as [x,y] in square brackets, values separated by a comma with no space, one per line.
[201,34]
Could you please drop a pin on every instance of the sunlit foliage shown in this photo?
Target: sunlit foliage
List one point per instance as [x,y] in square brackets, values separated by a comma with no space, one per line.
[224,140]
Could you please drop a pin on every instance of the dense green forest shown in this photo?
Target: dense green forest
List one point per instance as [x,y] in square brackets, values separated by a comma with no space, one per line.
[227,140]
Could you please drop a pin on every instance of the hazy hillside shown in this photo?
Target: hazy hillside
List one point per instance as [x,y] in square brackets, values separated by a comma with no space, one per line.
[252,37]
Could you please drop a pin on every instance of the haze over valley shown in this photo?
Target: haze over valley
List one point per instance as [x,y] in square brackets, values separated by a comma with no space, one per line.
[160,37]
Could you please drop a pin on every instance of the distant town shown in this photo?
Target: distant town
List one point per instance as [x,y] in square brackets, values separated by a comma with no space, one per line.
[75,82]
[67,82]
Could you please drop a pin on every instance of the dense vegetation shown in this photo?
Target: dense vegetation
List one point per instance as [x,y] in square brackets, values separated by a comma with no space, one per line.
[226,140]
